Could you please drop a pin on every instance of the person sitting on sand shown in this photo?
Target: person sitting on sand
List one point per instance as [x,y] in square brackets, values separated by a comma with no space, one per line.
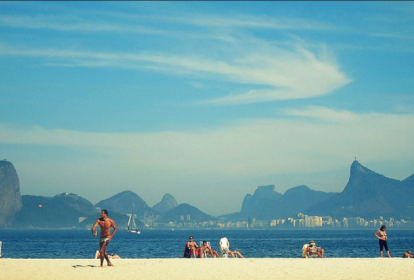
[111,256]
[207,249]
[313,251]
[407,254]
[225,248]
[191,249]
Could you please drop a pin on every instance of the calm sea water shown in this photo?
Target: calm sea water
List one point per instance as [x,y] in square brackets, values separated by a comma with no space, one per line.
[77,244]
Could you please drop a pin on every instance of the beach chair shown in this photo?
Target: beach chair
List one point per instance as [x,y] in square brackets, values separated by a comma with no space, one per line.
[193,256]
[188,253]
[304,251]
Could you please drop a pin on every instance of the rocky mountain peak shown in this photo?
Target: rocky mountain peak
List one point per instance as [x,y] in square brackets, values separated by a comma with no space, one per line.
[262,193]
[358,169]
[167,203]
[10,198]
[369,194]
[125,202]
[362,178]
[298,190]
[268,192]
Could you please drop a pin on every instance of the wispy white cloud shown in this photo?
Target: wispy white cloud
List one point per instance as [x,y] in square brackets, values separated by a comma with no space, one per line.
[132,21]
[283,74]
[248,21]
[323,114]
[287,75]
[71,23]
[208,27]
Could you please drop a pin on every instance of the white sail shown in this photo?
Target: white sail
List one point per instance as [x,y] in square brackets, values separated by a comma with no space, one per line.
[129,222]
[132,226]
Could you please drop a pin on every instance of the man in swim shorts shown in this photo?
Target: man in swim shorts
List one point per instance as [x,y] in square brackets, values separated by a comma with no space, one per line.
[103,239]
[207,249]
[105,225]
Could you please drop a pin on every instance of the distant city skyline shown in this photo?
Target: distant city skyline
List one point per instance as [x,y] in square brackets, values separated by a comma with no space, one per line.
[204,100]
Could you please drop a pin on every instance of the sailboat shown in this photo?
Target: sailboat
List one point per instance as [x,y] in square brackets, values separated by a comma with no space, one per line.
[132,226]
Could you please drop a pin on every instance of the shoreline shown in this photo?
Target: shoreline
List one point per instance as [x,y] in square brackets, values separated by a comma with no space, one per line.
[177,268]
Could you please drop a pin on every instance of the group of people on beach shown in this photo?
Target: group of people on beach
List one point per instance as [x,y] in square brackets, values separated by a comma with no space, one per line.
[192,249]
[381,234]
[310,250]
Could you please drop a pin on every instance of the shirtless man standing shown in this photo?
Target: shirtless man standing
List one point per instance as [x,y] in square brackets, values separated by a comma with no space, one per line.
[105,224]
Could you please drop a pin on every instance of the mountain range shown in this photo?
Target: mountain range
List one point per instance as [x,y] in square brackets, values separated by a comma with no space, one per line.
[267,204]
[367,194]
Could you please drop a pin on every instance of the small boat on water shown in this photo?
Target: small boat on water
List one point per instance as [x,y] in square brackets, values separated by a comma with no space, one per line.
[132,226]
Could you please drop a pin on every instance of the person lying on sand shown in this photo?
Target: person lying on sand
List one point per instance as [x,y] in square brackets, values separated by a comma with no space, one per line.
[407,254]
[111,256]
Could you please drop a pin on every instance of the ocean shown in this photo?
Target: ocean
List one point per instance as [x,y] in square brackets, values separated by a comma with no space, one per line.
[80,244]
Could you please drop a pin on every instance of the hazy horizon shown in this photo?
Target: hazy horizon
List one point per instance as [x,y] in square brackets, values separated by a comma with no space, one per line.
[204,100]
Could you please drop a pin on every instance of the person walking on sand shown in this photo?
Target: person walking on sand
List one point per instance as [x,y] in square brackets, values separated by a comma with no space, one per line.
[381,234]
[105,225]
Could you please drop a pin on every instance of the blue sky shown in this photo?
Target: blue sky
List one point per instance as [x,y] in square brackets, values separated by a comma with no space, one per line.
[204,100]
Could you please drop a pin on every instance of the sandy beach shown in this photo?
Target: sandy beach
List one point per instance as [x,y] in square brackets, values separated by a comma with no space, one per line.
[334,268]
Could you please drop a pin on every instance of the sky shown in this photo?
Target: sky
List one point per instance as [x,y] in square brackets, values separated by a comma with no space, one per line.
[205,101]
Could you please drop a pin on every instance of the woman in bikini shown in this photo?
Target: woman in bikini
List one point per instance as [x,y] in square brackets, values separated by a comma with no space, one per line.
[191,249]
[381,234]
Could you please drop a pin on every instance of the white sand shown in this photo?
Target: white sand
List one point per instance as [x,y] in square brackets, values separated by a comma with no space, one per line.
[328,268]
